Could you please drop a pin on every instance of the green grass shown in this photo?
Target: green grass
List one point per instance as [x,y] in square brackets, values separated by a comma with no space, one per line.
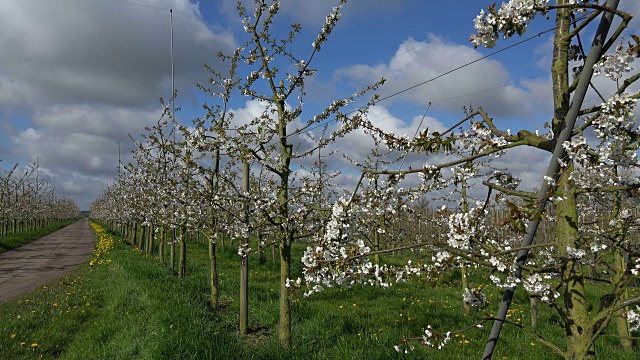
[134,307]
[13,241]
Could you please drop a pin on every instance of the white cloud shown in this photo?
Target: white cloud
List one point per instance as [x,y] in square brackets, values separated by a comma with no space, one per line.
[113,122]
[486,83]
[80,152]
[357,144]
[85,74]
[102,51]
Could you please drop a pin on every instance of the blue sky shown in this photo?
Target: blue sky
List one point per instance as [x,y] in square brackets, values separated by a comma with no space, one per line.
[79,76]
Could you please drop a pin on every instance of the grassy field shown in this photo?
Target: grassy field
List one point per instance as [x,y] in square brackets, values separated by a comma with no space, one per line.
[13,241]
[130,306]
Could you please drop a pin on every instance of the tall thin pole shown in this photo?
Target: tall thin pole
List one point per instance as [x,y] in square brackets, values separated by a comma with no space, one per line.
[565,134]
[173,234]
[119,160]
[173,90]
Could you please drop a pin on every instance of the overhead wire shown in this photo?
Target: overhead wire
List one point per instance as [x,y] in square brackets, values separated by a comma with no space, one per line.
[493,88]
[295,133]
[404,157]
[142,5]
[456,97]
[398,55]
[397,93]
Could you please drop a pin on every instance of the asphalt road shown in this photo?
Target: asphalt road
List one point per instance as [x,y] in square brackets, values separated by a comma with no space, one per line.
[39,262]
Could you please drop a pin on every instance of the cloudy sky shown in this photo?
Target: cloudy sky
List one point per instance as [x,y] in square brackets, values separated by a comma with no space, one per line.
[77,77]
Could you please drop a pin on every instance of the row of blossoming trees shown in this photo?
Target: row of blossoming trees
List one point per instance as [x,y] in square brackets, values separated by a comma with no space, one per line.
[27,203]
[242,180]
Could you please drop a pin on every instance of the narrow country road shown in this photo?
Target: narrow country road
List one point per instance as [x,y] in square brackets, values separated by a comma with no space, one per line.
[35,264]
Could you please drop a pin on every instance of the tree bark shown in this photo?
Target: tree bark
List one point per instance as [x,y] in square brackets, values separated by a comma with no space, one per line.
[182,263]
[284,326]
[214,283]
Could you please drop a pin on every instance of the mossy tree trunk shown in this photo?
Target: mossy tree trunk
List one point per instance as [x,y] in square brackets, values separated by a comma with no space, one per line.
[579,327]
[285,235]
[172,250]
[163,240]
[284,325]
[620,268]
[466,307]
[182,262]
[214,282]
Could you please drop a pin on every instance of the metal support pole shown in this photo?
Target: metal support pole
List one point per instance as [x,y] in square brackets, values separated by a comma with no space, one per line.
[552,171]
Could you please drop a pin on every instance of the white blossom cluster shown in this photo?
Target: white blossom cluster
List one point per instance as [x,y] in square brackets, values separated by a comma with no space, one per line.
[615,65]
[616,120]
[244,250]
[575,254]
[633,317]
[615,128]
[339,258]
[512,17]
[576,149]
[327,27]
[462,227]
[508,282]
[431,338]
[536,285]
[636,269]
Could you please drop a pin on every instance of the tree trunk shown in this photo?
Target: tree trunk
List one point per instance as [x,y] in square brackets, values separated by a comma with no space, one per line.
[152,233]
[534,311]
[376,257]
[135,234]
[172,251]
[466,307]
[182,264]
[163,239]
[244,293]
[214,283]
[622,324]
[143,238]
[273,253]
[261,258]
[579,328]
[284,326]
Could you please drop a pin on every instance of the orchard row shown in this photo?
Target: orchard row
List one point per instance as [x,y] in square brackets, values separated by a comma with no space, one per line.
[28,203]
[263,181]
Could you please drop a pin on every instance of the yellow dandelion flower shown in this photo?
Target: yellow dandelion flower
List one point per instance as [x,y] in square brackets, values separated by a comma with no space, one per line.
[34,345]
[13,336]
